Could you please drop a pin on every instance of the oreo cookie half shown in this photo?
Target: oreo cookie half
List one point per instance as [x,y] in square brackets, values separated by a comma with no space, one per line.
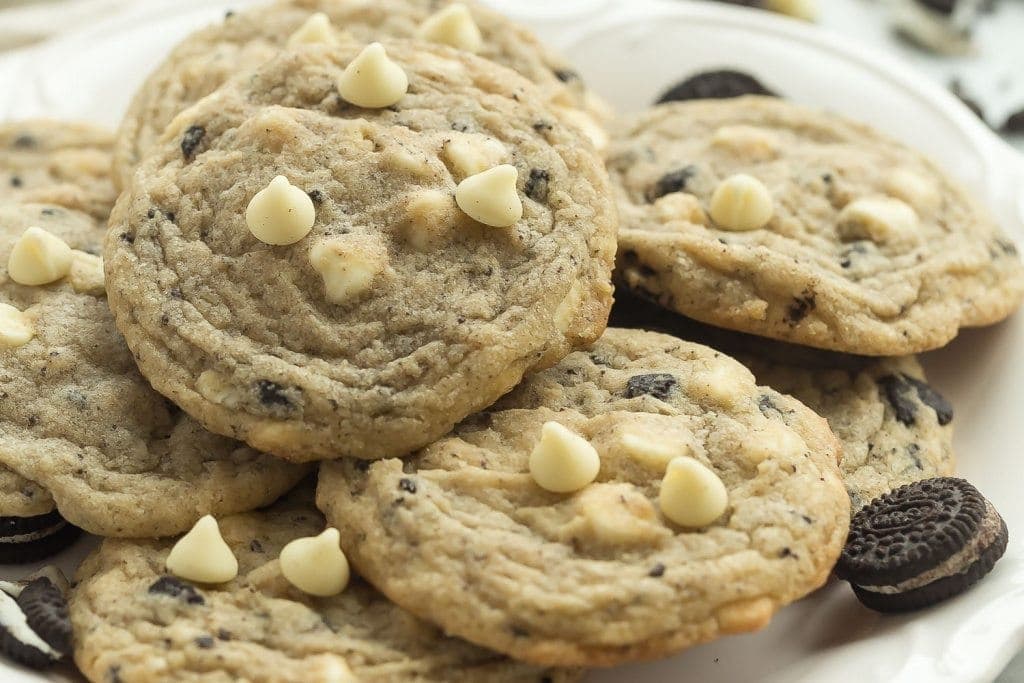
[720,84]
[35,629]
[921,544]
[27,539]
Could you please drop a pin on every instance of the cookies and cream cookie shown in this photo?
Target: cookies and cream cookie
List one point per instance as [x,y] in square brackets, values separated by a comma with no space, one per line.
[75,415]
[57,162]
[706,513]
[244,40]
[895,428]
[135,623]
[770,218]
[322,279]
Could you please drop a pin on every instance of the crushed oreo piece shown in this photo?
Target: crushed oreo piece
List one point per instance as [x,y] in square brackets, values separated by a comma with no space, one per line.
[191,140]
[407,485]
[566,75]
[659,385]
[25,141]
[176,588]
[718,84]
[933,399]
[537,185]
[272,394]
[897,393]
[673,181]
[801,307]
[1014,123]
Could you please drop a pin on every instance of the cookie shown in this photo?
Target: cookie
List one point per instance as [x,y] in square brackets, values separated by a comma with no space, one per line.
[135,624]
[35,629]
[20,497]
[894,427]
[57,162]
[29,539]
[391,314]
[78,419]
[244,40]
[921,544]
[716,84]
[763,216]
[463,533]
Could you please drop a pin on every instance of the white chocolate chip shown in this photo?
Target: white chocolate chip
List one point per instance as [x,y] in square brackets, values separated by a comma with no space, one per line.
[563,461]
[691,494]
[773,440]
[680,206]
[429,216]
[372,80]
[39,258]
[348,265]
[202,555]
[316,30]
[916,190]
[329,669]
[569,308]
[741,202]
[280,213]
[883,220]
[586,124]
[798,9]
[753,143]
[215,388]
[617,514]
[316,565]
[654,453]
[453,26]
[15,327]
[490,197]
[469,154]
[86,275]
[723,384]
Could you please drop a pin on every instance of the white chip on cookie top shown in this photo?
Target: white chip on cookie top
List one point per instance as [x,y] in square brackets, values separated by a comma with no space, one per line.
[617,514]
[39,258]
[453,26]
[202,555]
[691,494]
[752,142]
[468,154]
[429,215]
[883,220]
[655,453]
[741,202]
[86,274]
[316,564]
[316,30]
[913,188]
[491,197]
[348,265]
[16,328]
[372,80]
[563,461]
[280,213]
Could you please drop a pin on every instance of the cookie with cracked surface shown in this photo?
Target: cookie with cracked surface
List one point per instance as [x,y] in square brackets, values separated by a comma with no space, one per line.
[462,534]
[135,624]
[244,40]
[78,419]
[894,427]
[868,247]
[444,314]
[21,497]
[57,162]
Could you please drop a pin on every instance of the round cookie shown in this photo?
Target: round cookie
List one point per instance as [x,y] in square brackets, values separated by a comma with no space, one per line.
[57,162]
[921,544]
[77,418]
[870,248]
[461,534]
[895,429]
[129,617]
[244,40]
[249,338]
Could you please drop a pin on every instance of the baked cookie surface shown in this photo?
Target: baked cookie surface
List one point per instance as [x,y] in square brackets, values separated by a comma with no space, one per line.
[208,58]
[57,162]
[447,315]
[20,497]
[461,533]
[133,623]
[894,427]
[77,418]
[870,248]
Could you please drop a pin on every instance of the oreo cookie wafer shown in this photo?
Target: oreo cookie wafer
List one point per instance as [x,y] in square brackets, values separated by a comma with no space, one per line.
[27,539]
[920,544]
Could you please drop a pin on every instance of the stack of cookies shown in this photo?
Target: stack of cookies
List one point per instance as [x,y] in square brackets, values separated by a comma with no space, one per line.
[335,380]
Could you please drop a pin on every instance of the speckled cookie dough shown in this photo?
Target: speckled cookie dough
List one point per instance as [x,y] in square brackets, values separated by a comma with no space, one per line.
[76,416]
[20,497]
[853,242]
[462,534]
[373,330]
[57,162]
[895,428]
[244,40]
[135,624]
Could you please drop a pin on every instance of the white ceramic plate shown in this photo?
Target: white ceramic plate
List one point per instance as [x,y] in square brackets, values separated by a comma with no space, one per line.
[629,52]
